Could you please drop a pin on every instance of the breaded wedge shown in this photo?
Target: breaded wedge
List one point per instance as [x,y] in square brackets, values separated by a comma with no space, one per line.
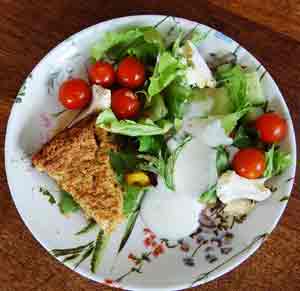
[77,159]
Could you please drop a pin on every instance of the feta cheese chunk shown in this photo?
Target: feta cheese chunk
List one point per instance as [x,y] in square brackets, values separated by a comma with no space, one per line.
[101,97]
[231,186]
[239,207]
[198,73]
[101,100]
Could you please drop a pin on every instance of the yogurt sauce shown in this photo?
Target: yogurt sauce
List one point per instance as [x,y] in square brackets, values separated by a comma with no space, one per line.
[171,215]
[174,214]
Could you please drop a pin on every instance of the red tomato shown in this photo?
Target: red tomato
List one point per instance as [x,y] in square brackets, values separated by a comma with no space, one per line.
[125,104]
[271,127]
[74,94]
[131,73]
[102,73]
[249,163]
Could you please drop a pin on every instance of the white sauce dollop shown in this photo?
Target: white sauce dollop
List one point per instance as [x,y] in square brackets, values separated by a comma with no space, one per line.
[174,214]
[169,214]
[195,169]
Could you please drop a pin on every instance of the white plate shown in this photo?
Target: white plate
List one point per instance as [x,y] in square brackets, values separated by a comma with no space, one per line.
[28,128]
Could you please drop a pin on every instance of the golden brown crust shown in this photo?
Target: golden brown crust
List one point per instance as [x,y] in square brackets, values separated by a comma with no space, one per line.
[77,159]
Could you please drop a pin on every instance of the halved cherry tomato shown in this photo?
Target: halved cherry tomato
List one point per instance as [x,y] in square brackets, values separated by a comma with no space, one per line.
[125,104]
[74,94]
[102,73]
[131,73]
[249,163]
[271,127]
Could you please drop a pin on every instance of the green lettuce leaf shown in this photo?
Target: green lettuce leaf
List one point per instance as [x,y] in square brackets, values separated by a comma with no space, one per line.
[177,95]
[112,39]
[254,92]
[108,121]
[157,109]
[130,41]
[132,218]
[155,164]
[67,204]
[243,87]
[245,137]
[209,196]
[277,161]
[123,162]
[234,80]
[131,198]
[152,36]
[166,70]
[229,121]
[47,193]
[150,144]
[222,160]
[146,52]
[222,103]
[170,164]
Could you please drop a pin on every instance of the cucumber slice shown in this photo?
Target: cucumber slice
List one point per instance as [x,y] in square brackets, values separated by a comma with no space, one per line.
[222,104]
[254,92]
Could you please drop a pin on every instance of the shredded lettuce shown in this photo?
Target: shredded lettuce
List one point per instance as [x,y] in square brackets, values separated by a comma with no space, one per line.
[108,121]
[131,196]
[144,51]
[151,163]
[277,161]
[234,80]
[170,164]
[222,160]
[151,35]
[144,42]
[112,39]
[243,87]
[221,102]
[150,144]
[67,204]
[209,196]
[177,95]
[166,70]
[229,121]
[164,163]
[123,162]
[245,137]
[156,109]
[254,92]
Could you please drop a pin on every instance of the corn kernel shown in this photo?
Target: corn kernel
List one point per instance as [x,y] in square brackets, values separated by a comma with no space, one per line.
[137,178]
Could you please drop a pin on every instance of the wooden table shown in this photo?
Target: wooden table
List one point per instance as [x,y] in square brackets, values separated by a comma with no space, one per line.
[270,29]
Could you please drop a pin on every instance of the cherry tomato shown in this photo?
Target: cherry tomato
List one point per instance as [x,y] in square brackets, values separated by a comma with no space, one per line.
[249,163]
[74,94]
[131,73]
[125,104]
[102,73]
[271,127]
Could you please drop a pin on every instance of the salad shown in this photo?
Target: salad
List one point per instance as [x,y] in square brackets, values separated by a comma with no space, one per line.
[193,133]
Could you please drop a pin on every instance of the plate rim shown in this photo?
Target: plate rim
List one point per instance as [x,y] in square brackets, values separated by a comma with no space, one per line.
[241,258]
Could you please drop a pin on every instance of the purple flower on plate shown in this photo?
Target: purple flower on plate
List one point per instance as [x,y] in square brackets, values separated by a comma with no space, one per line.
[189,261]
[226,251]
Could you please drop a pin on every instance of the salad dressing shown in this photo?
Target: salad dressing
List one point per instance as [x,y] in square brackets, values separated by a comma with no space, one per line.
[174,214]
